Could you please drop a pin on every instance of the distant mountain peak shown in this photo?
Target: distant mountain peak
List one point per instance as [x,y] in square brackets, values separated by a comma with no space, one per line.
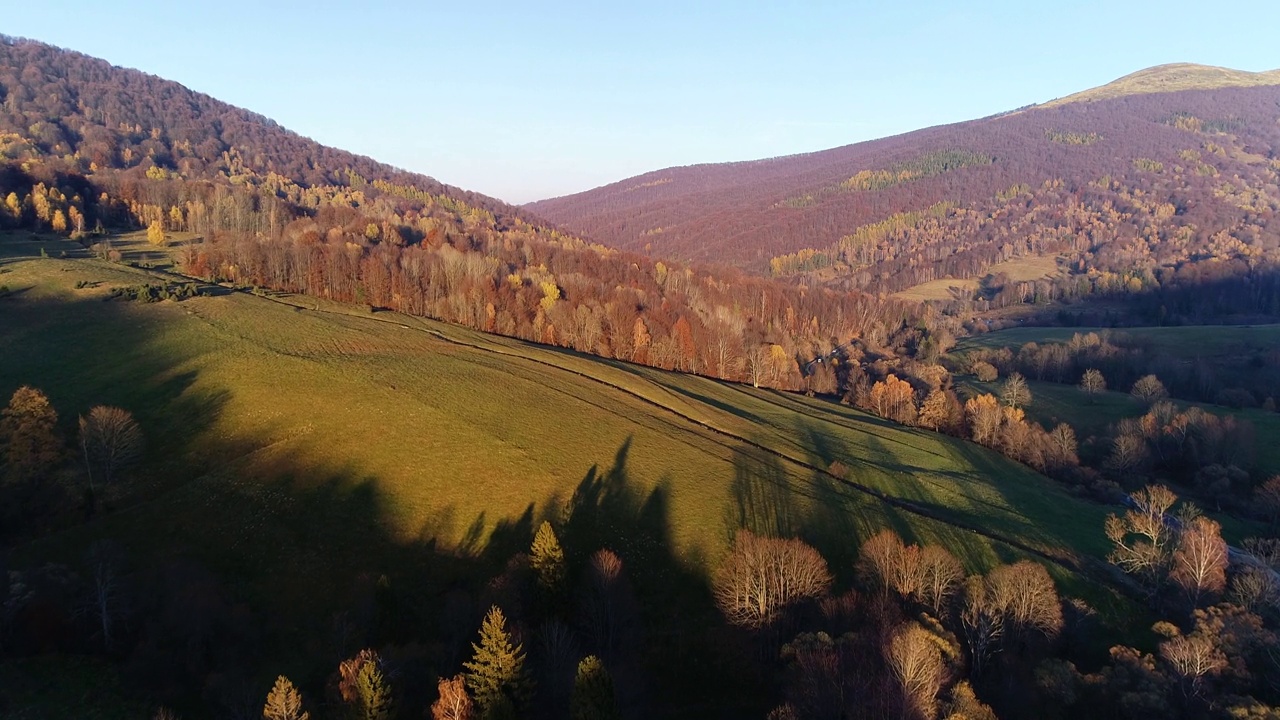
[1172,77]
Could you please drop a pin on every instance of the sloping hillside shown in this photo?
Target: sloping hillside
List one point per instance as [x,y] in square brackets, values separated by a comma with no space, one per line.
[297,447]
[86,147]
[1105,184]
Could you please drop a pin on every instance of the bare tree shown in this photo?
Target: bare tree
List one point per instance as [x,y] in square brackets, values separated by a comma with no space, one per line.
[1255,589]
[894,565]
[1267,498]
[454,703]
[982,621]
[1149,389]
[1015,392]
[1092,383]
[1200,559]
[609,604]
[1128,452]
[1062,447]
[757,363]
[1192,657]
[105,593]
[761,576]
[940,575]
[1141,537]
[110,440]
[915,659]
[1025,593]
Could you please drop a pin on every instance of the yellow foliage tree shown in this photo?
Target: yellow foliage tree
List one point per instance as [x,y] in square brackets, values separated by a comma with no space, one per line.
[155,233]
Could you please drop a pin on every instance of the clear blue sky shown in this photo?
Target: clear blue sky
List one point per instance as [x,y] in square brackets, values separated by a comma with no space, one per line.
[527,100]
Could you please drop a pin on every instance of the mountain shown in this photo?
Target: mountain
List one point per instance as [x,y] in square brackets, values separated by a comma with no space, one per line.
[1138,185]
[86,148]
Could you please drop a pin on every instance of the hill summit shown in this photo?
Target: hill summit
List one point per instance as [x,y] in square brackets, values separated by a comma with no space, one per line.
[1173,77]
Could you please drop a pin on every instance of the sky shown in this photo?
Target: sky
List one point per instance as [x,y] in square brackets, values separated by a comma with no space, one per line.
[525,100]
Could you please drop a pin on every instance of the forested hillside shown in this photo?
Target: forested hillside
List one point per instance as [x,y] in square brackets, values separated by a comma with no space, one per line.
[1140,193]
[245,473]
[86,147]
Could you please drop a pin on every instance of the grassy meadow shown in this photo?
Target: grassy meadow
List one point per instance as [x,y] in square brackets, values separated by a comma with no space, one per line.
[298,448]
[1225,346]
[1186,341]
[1018,269]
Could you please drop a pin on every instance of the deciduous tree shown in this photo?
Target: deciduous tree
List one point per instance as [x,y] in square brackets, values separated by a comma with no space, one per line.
[1149,389]
[941,574]
[110,441]
[984,371]
[1015,392]
[1141,538]
[760,576]
[1092,383]
[1200,559]
[453,702]
[914,658]
[985,416]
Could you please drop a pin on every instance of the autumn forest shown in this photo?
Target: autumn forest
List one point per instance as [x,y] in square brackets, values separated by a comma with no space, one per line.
[973,422]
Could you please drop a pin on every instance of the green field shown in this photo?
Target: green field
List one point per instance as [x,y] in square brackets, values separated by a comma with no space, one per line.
[1190,341]
[1093,418]
[297,445]
[1225,346]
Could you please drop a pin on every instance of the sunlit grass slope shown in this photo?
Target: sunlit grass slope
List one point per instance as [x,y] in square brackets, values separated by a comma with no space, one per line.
[296,445]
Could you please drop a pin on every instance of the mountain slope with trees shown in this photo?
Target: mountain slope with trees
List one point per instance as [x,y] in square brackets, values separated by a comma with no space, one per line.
[86,147]
[1142,194]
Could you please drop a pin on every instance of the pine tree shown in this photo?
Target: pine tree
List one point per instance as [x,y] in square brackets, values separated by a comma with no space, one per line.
[374,693]
[284,702]
[547,559]
[496,676]
[593,692]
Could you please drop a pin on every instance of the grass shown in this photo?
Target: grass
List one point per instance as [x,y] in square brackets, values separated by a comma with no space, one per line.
[1186,342]
[1172,78]
[298,445]
[1019,269]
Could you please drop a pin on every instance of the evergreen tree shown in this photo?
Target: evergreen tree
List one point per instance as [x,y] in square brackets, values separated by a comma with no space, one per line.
[374,693]
[496,675]
[284,702]
[547,559]
[593,692]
